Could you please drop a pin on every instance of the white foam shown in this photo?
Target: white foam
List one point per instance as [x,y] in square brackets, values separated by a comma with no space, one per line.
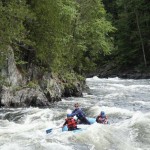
[11,146]
[58,146]
[110,110]
[69,111]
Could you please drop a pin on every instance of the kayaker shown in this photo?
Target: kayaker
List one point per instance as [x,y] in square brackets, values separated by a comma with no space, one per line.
[102,118]
[80,115]
[71,123]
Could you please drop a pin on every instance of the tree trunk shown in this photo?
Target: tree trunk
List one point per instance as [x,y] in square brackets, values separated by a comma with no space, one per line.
[141,39]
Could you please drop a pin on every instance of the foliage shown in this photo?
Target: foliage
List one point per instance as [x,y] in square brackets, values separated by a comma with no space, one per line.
[132,19]
[92,35]
[13,14]
[51,31]
[32,84]
[3,81]
[61,36]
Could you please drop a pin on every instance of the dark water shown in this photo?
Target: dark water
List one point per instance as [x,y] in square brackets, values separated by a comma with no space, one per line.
[126,103]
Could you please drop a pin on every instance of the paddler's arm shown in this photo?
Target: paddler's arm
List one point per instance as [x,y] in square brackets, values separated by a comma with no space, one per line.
[64,123]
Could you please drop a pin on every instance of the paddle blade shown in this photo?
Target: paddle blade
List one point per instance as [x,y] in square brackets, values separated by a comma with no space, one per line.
[48,131]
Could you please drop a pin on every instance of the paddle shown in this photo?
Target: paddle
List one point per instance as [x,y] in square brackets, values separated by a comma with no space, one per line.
[50,130]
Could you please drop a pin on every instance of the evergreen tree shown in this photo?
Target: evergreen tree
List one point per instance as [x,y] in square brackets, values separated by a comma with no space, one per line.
[51,31]
[92,34]
[132,21]
[13,14]
[66,35]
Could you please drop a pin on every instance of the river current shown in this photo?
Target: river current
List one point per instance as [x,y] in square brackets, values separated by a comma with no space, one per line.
[126,103]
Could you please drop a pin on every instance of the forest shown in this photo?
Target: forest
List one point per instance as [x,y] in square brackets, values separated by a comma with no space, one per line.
[78,36]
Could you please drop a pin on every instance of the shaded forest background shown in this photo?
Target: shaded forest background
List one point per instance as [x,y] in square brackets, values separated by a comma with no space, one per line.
[80,36]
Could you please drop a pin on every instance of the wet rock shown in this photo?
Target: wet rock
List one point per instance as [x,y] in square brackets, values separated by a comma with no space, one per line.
[10,72]
[23,98]
[35,87]
[73,90]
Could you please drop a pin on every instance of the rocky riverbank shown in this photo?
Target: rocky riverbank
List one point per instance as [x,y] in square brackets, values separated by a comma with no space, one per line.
[124,74]
[38,96]
[35,87]
[110,71]
[127,75]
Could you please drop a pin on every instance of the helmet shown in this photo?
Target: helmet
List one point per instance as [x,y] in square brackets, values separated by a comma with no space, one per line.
[69,115]
[102,113]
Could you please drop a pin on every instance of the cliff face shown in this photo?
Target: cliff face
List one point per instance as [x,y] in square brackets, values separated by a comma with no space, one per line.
[21,89]
[10,71]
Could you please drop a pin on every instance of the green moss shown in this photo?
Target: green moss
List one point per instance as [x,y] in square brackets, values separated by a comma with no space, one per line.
[69,85]
[80,78]
[32,84]
[3,81]
[71,80]
[71,77]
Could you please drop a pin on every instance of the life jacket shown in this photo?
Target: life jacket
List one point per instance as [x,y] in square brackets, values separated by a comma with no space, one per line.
[102,119]
[71,123]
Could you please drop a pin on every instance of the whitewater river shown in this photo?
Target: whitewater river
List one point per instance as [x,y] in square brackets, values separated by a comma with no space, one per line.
[126,103]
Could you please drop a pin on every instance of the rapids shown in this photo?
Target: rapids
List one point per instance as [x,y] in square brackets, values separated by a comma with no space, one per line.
[126,103]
